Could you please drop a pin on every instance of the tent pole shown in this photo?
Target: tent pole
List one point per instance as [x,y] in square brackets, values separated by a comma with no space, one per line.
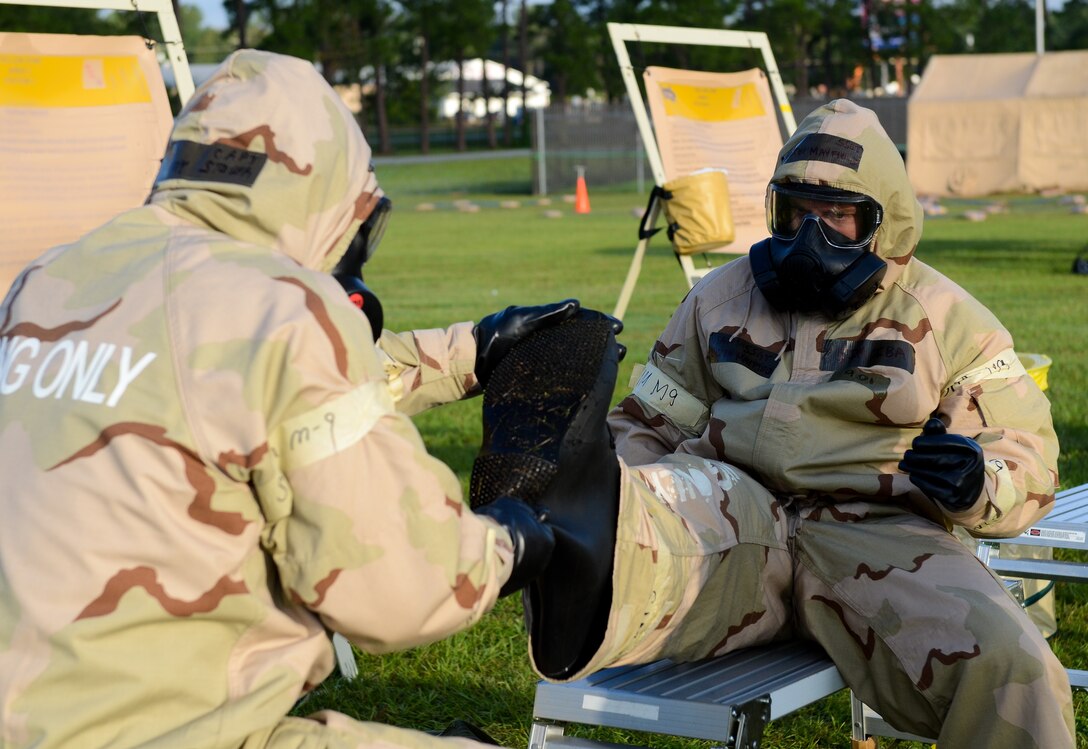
[1040,22]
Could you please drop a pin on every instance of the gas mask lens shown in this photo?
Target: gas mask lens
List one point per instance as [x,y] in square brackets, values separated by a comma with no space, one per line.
[366,240]
[373,229]
[847,220]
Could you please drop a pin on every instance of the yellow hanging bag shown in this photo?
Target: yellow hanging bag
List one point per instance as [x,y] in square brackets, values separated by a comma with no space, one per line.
[698,212]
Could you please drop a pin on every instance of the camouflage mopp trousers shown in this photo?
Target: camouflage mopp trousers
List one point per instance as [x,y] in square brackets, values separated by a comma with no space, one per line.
[707,561]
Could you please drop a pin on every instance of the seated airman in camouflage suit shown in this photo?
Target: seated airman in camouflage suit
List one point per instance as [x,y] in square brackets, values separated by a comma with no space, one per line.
[203,469]
[812,422]
[810,425]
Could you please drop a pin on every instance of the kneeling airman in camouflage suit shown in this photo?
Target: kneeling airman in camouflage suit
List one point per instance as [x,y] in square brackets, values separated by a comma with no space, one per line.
[203,467]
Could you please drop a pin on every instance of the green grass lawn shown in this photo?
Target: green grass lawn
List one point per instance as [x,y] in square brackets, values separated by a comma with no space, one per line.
[445,265]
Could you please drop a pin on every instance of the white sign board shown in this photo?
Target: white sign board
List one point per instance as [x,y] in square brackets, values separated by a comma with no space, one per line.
[83,124]
[719,121]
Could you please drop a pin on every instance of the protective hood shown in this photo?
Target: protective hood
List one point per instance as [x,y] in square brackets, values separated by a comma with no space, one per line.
[267,153]
[843,145]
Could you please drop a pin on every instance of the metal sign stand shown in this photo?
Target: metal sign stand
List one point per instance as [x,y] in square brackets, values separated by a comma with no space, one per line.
[621,33]
[168,23]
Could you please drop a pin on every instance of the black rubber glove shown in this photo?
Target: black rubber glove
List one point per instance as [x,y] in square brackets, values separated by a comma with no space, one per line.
[533,540]
[497,333]
[948,468]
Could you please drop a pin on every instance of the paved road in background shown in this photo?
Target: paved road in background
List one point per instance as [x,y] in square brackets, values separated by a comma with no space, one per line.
[441,157]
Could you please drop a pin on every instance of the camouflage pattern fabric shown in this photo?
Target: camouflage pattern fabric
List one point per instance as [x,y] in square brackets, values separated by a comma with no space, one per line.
[762,499]
[204,470]
[1039,598]
[428,368]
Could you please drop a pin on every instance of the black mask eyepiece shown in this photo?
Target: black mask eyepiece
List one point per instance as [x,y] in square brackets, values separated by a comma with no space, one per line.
[349,271]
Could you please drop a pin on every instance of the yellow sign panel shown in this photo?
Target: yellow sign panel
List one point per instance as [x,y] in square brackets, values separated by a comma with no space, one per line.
[712,104]
[71,81]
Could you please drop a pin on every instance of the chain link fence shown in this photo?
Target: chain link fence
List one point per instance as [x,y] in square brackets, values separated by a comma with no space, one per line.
[602,138]
[605,140]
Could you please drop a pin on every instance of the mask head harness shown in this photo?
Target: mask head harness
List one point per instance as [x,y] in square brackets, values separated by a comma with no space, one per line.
[349,271]
[818,256]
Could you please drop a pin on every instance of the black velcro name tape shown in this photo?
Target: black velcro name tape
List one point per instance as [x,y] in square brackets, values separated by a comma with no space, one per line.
[201,162]
[828,148]
[840,354]
[748,355]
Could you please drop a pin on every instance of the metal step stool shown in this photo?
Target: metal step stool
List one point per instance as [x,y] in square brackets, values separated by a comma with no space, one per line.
[728,699]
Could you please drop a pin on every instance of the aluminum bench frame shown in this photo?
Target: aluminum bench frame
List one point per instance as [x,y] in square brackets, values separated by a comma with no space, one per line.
[1064,527]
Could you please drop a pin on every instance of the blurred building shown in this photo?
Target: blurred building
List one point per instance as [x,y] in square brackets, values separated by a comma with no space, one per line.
[537,92]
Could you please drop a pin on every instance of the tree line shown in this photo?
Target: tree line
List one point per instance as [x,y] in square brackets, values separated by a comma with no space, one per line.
[393,47]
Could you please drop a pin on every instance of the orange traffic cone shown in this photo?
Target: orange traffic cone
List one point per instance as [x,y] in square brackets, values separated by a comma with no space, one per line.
[581,194]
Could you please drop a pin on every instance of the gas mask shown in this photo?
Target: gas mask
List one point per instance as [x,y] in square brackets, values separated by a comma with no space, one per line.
[349,271]
[817,258]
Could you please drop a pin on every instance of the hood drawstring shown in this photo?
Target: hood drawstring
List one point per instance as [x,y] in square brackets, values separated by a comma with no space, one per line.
[790,326]
[747,314]
[790,329]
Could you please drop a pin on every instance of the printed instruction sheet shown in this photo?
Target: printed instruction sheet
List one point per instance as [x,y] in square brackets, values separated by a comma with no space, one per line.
[83,124]
[719,121]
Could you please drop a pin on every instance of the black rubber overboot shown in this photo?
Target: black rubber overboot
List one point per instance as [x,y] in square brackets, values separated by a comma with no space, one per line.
[465,730]
[546,443]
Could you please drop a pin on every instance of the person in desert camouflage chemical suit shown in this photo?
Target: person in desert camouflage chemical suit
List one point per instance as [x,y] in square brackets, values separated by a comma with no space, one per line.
[203,466]
[810,425]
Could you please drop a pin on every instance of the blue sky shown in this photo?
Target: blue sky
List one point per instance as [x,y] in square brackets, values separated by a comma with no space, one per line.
[214,15]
